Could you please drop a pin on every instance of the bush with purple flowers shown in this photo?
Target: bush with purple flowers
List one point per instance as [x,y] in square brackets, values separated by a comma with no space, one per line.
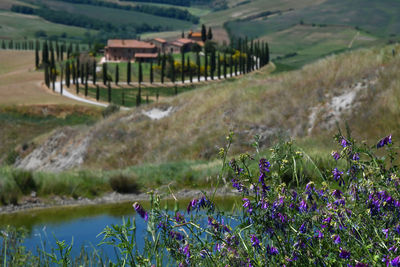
[352,218]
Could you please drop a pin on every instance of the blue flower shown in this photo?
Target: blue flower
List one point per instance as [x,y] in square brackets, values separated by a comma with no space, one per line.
[336,239]
[385,141]
[344,254]
[254,241]
[303,206]
[247,205]
[395,261]
[302,228]
[139,209]
[344,142]
[271,250]
[335,155]
[356,156]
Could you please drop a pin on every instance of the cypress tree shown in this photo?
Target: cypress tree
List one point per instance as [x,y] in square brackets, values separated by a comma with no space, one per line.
[219,66]
[205,65]
[97,92]
[172,62]
[189,67]
[69,51]
[76,47]
[225,65]
[78,69]
[83,74]
[52,59]
[236,66]
[198,63]
[128,72]
[57,51]
[266,53]
[94,71]
[159,58]
[53,78]
[123,97]
[139,96]
[104,73]
[163,63]
[116,75]
[203,33]
[45,53]
[46,75]
[212,64]
[140,72]
[61,79]
[67,74]
[231,65]
[36,57]
[183,66]
[151,72]
[77,86]
[3,45]
[87,73]
[209,34]
[109,91]
[86,88]
[73,72]
[62,51]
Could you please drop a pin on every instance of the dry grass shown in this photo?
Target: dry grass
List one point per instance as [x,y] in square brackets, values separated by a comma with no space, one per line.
[21,84]
[272,106]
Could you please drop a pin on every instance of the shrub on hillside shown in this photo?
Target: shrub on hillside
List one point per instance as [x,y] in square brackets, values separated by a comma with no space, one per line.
[124,184]
[24,181]
[109,110]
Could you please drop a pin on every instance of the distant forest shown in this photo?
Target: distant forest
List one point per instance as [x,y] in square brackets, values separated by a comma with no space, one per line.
[169,12]
[63,17]
[173,2]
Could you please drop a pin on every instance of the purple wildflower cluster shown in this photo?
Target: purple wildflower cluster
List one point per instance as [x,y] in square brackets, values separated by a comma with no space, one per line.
[139,209]
[321,224]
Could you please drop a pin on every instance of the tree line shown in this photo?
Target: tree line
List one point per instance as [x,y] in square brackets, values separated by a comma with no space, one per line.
[173,2]
[217,63]
[169,12]
[70,19]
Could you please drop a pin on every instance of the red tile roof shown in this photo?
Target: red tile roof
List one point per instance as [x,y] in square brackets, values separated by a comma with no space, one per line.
[195,34]
[176,43]
[129,44]
[160,40]
[184,41]
[146,55]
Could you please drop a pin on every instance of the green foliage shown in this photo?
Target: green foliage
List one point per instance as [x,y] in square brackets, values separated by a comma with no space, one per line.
[124,184]
[109,110]
[25,181]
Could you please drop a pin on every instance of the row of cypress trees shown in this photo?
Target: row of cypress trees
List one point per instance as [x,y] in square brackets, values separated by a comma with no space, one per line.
[244,58]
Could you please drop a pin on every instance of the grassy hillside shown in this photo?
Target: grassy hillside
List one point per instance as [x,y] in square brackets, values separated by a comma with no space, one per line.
[303,104]
[316,29]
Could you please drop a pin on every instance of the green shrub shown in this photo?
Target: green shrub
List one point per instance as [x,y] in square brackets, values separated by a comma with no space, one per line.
[110,109]
[25,181]
[124,184]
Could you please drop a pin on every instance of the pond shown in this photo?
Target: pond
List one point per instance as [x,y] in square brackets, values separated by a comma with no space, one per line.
[82,225]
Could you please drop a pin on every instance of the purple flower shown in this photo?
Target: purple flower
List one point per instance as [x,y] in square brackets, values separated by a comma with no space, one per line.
[272,250]
[179,217]
[247,205]
[337,174]
[335,155]
[360,264]
[385,231]
[176,235]
[356,156]
[139,209]
[319,235]
[302,228]
[344,254]
[254,241]
[186,251]
[344,142]
[192,204]
[336,239]
[395,261]
[303,206]
[385,141]
[337,194]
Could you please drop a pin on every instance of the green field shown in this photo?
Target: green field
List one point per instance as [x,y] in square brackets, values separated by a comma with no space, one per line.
[19,26]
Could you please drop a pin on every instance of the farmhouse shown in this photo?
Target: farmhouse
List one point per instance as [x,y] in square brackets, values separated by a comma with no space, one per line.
[128,50]
[160,44]
[180,45]
[195,36]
